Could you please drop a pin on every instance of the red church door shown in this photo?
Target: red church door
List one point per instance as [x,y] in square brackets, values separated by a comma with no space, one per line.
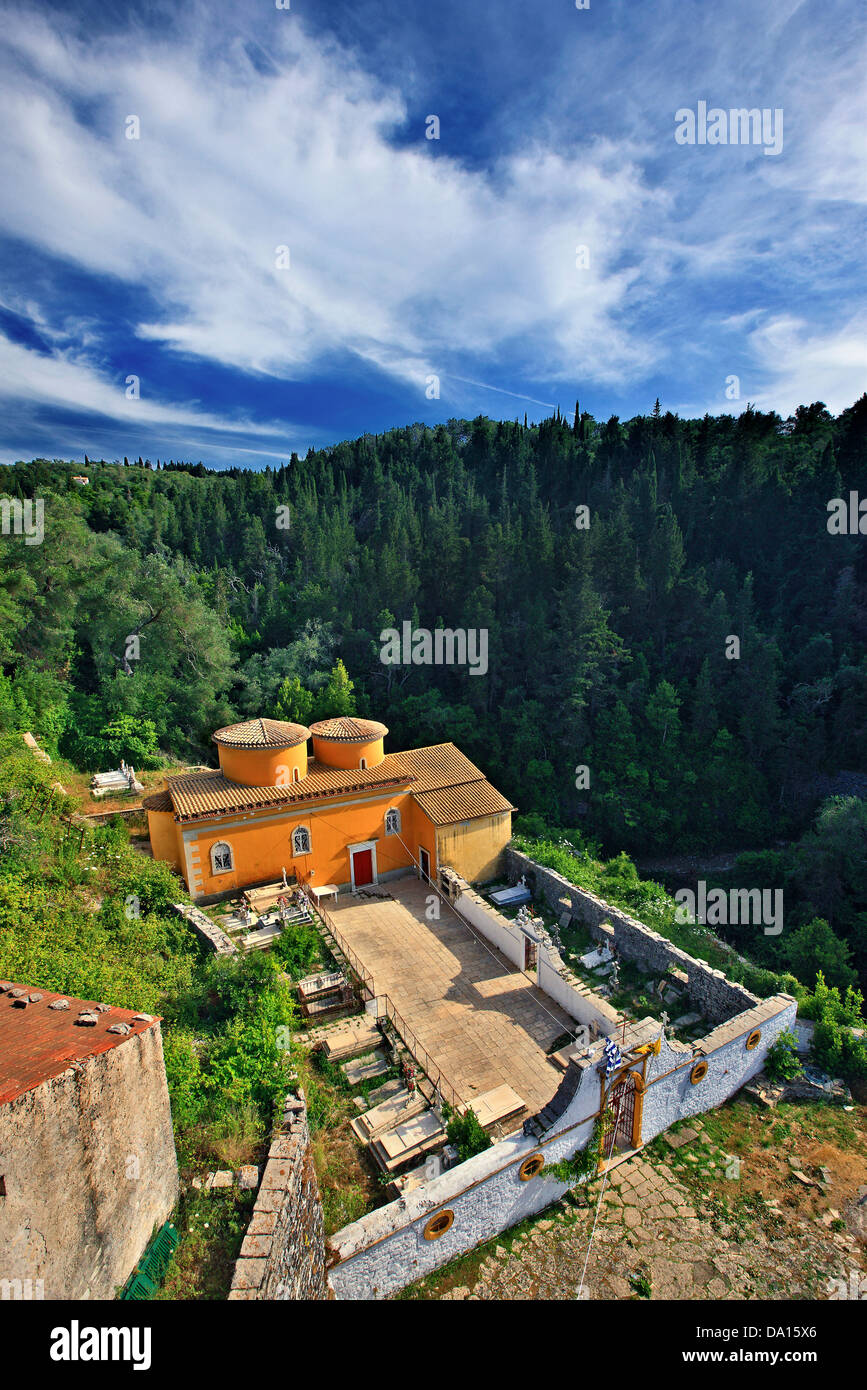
[362,867]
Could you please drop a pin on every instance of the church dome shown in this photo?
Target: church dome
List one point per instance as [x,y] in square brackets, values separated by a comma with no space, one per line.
[348,742]
[348,729]
[263,752]
[262,733]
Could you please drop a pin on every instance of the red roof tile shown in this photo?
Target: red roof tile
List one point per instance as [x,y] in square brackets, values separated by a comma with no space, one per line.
[209,795]
[450,805]
[38,1042]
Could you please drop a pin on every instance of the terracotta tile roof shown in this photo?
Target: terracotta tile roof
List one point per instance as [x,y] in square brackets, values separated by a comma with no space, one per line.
[38,1042]
[205,795]
[158,801]
[262,733]
[440,765]
[346,730]
[447,805]
[209,795]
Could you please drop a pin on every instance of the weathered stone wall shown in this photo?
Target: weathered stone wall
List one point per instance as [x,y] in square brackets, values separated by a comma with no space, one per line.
[717,997]
[283,1253]
[212,936]
[89,1164]
[387,1249]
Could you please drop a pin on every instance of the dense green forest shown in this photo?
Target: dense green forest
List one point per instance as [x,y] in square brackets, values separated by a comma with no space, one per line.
[607,645]
[609,630]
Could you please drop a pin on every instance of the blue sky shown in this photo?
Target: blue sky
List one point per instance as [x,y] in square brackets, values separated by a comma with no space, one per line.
[411,258]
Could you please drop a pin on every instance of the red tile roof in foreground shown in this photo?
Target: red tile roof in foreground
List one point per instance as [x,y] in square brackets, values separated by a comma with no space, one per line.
[38,1042]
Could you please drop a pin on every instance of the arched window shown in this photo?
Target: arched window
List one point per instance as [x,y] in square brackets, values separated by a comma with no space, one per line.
[392,821]
[296,775]
[363,764]
[301,840]
[221,859]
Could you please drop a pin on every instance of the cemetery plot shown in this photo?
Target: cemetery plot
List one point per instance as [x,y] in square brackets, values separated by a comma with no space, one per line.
[408,1141]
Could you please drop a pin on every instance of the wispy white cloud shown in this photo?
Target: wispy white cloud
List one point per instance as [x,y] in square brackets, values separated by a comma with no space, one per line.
[64,382]
[403,255]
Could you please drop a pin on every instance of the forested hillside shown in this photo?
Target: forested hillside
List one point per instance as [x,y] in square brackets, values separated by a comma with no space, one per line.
[607,645]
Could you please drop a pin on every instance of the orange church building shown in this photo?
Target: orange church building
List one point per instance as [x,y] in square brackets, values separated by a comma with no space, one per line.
[349,815]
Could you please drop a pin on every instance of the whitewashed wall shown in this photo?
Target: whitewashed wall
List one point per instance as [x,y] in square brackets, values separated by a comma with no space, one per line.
[579,1001]
[490,924]
[386,1250]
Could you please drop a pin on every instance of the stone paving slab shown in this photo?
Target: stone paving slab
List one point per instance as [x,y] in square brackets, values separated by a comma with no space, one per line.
[484,1023]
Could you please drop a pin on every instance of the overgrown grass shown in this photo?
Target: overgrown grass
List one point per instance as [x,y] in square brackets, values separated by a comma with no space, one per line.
[211,1229]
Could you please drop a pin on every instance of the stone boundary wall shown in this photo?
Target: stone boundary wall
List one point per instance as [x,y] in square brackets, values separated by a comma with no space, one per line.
[387,1249]
[554,977]
[671,1095]
[492,925]
[717,997]
[207,931]
[283,1253]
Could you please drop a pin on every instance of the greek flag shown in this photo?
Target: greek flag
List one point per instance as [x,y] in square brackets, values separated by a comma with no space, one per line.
[613,1059]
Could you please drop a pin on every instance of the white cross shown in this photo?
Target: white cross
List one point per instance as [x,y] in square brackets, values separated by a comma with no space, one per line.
[664,1017]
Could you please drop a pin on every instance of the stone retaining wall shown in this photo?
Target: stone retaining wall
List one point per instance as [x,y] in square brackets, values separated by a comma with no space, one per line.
[207,931]
[711,993]
[283,1253]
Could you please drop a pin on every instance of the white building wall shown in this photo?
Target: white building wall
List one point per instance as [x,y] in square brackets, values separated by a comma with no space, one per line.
[490,924]
[579,1002]
[386,1250]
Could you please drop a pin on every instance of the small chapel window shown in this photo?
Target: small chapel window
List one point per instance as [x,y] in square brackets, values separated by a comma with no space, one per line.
[392,822]
[221,859]
[301,840]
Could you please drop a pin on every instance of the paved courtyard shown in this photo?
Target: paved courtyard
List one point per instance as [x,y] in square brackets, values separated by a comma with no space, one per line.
[483,1022]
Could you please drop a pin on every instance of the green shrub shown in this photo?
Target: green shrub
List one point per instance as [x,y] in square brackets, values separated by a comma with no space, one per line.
[782,1062]
[465,1132]
[584,1163]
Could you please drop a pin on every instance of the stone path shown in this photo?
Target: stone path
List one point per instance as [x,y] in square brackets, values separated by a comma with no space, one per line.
[649,1227]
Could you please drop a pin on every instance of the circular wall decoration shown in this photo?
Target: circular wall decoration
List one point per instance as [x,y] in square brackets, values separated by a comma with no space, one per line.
[698,1073]
[754,1039]
[438,1225]
[531,1167]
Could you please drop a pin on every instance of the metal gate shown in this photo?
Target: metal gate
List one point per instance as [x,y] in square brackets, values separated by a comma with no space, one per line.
[619,1131]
